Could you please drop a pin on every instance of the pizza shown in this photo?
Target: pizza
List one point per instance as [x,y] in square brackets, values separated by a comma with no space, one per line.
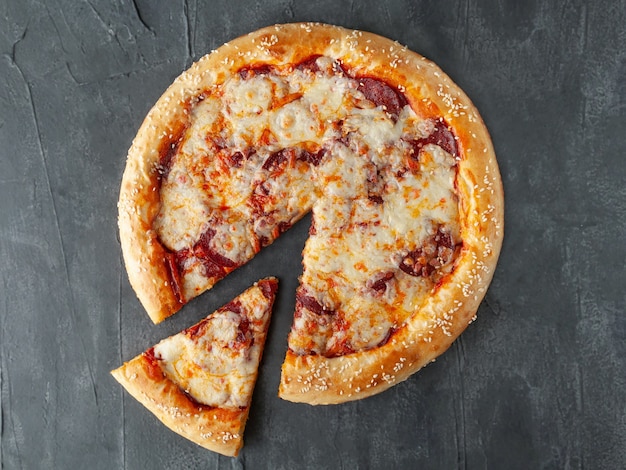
[389,156]
[199,382]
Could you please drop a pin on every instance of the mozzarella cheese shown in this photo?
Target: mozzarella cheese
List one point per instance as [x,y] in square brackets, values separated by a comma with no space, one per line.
[213,366]
[267,148]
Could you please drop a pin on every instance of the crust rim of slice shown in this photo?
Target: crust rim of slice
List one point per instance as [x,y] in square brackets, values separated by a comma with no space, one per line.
[178,412]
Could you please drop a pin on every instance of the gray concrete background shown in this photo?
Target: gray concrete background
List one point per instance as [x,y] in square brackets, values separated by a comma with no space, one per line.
[539,381]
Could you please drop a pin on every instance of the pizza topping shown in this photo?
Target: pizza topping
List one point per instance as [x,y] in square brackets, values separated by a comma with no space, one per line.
[154,368]
[268,288]
[379,284]
[165,162]
[339,343]
[387,337]
[173,266]
[236,159]
[441,135]
[436,252]
[309,64]
[304,300]
[203,250]
[391,261]
[283,140]
[251,71]
[312,158]
[275,160]
[382,94]
[214,362]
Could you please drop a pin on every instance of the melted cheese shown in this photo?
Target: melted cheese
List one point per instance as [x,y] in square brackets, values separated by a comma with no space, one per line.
[373,200]
[207,366]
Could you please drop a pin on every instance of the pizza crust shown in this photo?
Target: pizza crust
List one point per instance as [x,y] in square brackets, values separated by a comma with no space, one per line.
[216,429]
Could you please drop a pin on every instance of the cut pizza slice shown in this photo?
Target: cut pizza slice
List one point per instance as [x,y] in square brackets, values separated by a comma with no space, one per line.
[199,382]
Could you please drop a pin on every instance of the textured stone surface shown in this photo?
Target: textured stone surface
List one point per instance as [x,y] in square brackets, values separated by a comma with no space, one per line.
[539,381]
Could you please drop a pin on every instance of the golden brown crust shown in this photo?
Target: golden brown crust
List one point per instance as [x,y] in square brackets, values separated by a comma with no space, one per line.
[216,429]
[431,93]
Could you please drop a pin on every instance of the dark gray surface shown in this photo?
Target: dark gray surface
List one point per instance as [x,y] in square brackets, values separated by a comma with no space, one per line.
[539,381]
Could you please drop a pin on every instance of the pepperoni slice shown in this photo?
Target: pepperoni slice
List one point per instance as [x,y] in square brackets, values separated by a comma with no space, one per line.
[195,330]
[154,369]
[173,263]
[250,71]
[380,284]
[244,339]
[233,306]
[203,250]
[169,148]
[436,251]
[442,136]
[268,288]
[275,160]
[166,160]
[309,64]
[382,94]
[312,158]
[415,263]
[387,337]
[311,303]
[215,264]
[235,160]
[341,347]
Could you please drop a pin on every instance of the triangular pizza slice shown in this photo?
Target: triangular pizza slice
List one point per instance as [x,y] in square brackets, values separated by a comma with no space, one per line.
[199,382]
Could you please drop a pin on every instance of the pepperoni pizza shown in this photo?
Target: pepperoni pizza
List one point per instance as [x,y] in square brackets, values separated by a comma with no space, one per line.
[387,153]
